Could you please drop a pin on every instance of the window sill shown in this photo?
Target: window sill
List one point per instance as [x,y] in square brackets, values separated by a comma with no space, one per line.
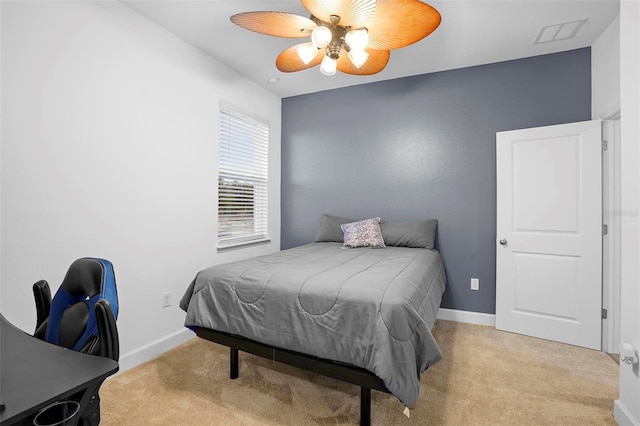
[241,245]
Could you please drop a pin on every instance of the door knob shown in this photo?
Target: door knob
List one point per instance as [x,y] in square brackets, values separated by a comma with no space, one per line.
[503,242]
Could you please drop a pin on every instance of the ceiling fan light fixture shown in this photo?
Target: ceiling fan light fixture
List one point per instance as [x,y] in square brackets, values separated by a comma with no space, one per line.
[358,57]
[328,66]
[357,39]
[307,52]
[321,36]
[367,30]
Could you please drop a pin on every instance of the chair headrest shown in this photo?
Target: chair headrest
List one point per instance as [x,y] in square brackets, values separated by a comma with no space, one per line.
[84,277]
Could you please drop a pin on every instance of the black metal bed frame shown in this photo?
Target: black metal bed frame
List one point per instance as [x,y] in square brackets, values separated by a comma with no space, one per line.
[344,372]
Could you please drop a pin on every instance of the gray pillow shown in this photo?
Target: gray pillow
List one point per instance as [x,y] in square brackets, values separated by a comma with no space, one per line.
[420,234]
[330,230]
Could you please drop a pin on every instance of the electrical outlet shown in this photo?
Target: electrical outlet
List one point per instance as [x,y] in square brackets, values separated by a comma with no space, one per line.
[475,284]
[166,299]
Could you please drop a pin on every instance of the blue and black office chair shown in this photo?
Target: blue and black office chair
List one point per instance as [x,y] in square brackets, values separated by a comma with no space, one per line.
[82,317]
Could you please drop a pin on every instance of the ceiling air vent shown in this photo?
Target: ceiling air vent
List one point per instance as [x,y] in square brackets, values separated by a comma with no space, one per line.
[558,32]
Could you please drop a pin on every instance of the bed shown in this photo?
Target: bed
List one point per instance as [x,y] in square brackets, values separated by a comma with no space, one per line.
[363,315]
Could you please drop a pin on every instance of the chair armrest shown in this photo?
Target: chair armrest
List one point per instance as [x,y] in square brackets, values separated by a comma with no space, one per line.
[42,296]
[107,330]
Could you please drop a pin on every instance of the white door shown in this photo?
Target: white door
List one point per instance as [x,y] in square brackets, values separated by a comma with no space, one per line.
[549,232]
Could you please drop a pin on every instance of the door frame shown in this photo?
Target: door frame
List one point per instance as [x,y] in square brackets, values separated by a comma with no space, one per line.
[611,217]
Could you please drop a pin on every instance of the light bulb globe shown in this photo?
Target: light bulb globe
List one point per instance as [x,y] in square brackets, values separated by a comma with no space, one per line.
[321,36]
[307,52]
[358,57]
[357,39]
[328,66]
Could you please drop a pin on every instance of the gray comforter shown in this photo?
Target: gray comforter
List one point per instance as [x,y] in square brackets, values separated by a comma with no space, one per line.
[372,308]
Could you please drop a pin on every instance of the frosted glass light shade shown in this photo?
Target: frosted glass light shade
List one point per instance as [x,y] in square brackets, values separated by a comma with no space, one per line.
[358,57]
[307,52]
[328,66]
[357,39]
[321,36]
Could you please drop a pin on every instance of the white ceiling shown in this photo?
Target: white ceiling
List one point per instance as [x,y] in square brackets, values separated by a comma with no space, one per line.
[472,32]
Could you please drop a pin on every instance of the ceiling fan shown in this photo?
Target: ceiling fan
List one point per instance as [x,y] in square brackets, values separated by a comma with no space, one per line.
[351,36]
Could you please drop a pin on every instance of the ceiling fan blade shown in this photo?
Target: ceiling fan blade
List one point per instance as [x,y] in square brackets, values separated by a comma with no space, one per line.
[278,24]
[399,23]
[377,61]
[289,60]
[353,13]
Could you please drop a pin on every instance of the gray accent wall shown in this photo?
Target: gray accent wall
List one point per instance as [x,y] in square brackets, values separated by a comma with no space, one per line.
[423,147]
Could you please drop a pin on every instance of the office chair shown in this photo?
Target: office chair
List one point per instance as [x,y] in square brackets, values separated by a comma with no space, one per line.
[82,317]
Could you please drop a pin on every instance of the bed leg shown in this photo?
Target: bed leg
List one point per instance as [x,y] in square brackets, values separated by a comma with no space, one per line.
[233,364]
[365,406]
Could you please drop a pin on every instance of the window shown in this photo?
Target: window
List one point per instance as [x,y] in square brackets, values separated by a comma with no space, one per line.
[242,177]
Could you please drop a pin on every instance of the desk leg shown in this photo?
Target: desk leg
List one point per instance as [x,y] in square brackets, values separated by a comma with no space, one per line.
[365,406]
[233,373]
[90,406]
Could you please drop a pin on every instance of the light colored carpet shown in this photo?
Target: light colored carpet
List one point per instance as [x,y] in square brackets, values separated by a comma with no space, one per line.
[487,377]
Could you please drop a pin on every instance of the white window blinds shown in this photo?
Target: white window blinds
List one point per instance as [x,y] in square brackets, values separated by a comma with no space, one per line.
[242,177]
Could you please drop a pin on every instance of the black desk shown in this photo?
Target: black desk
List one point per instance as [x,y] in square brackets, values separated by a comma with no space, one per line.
[34,374]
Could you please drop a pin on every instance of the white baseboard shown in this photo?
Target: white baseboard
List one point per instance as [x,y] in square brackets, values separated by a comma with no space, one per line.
[154,349]
[478,318]
[622,416]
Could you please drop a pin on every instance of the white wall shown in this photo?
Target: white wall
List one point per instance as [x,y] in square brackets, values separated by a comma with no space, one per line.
[109,149]
[605,72]
[627,407]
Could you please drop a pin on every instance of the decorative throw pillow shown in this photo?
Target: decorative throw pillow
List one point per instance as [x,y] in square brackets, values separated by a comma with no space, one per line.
[364,233]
